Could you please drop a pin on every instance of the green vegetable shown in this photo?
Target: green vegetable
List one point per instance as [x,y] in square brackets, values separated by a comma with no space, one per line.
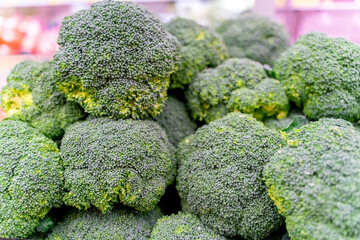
[31,95]
[176,121]
[124,224]
[321,75]
[107,161]
[182,226]
[201,48]
[255,37]
[220,176]
[236,85]
[314,181]
[115,59]
[31,178]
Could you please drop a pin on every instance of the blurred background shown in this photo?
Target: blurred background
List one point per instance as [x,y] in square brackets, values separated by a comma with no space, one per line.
[29,29]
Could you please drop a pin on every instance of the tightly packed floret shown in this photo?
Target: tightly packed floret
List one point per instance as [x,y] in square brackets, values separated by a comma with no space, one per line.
[107,161]
[255,37]
[236,85]
[201,48]
[176,121]
[314,181]
[121,223]
[322,76]
[220,176]
[31,95]
[31,178]
[115,59]
[182,226]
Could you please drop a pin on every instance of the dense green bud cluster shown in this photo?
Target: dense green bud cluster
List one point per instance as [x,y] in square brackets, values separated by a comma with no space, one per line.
[107,161]
[314,181]
[115,59]
[126,224]
[322,75]
[31,178]
[255,37]
[176,121]
[220,176]
[201,48]
[31,95]
[182,226]
[236,85]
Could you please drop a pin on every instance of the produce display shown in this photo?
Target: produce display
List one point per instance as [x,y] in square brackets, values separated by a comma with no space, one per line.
[138,129]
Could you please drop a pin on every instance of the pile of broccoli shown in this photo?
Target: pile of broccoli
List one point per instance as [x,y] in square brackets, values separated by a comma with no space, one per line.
[143,130]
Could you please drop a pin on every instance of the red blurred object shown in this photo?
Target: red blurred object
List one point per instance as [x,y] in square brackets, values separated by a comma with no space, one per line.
[2,114]
[26,34]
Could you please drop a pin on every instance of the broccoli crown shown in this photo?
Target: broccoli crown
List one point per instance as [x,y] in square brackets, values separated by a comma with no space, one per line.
[255,37]
[109,160]
[236,85]
[314,181]
[122,223]
[31,178]
[220,176]
[201,48]
[321,75]
[31,95]
[115,59]
[176,121]
[182,226]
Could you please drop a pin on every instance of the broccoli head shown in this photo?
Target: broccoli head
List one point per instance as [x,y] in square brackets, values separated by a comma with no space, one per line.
[314,181]
[236,85]
[31,95]
[201,48]
[31,178]
[115,59]
[182,226]
[176,121]
[124,223]
[321,75]
[255,37]
[107,161]
[220,176]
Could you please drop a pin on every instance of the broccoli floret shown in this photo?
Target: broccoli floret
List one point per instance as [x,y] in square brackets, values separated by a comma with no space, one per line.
[31,178]
[115,59]
[31,95]
[220,176]
[182,226]
[107,161]
[314,181]
[176,121]
[236,85]
[126,224]
[320,74]
[201,48]
[285,123]
[255,37]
